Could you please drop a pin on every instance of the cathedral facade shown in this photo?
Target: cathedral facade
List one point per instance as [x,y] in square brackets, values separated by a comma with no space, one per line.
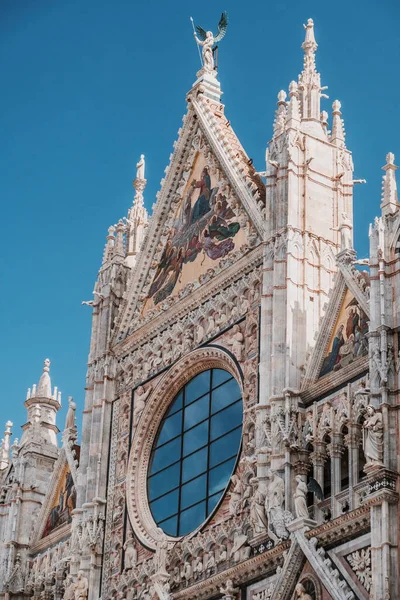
[240,430]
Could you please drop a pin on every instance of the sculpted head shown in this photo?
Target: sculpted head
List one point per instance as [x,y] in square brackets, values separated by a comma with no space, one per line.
[209,34]
[370,410]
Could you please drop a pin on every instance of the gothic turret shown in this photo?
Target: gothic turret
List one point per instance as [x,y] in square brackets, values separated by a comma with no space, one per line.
[42,405]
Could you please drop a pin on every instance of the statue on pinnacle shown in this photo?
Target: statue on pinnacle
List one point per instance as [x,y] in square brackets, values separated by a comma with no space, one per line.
[207,40]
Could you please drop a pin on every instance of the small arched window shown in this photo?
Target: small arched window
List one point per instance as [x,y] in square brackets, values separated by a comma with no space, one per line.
[327,471]
[344,463]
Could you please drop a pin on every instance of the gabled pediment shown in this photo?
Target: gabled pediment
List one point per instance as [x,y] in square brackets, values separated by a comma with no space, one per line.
[341,344]
[208,213]
[54,517]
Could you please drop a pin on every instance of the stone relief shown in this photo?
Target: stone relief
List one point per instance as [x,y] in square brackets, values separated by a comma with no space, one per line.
[360,562]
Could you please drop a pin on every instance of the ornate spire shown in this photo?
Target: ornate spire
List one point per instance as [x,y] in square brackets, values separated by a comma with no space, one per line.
[137,216]
[310,79]
[338,133]
[390,202]
[42,405]
[44,387]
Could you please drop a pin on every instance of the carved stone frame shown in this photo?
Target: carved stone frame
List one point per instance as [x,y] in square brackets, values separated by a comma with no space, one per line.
[208,357]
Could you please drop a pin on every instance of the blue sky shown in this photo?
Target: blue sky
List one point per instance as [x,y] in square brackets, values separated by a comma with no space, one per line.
[87,86]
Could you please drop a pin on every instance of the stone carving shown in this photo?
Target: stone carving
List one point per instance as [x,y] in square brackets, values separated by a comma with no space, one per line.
[81,587]
[210,564]
[360,562]
[373,435]
[240,549]
[160,557]
[301,592]
[300,498]
[237,343]
[258,515]
[141,396]
[69,593]
[235,495]
[130,554]
[345,229]
[277,516]
[228,590]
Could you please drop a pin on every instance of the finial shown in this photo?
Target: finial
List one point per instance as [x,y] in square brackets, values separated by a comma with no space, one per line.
[293,111]
[390,200]
[109,247]
[309,43]
[280,114]
[44,386]
[338,133]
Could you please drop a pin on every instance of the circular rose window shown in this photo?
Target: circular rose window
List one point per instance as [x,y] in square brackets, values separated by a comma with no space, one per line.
[195,452]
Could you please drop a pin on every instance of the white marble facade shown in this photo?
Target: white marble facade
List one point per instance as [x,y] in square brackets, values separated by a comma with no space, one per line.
[251,277]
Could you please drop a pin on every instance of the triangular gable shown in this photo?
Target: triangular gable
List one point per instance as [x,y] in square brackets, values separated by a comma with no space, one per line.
[205,141]
[342,340]
[55,516]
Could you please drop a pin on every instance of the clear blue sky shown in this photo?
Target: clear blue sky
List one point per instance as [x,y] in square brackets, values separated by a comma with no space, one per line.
[88,85]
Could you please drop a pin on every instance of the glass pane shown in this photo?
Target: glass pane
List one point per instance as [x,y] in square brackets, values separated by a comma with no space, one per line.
[225,447]
[165,507]
[213,501]
[219,476]
[226,420]
[219,376]
[192,518]
[197,411]
[226,394]
[195,438]
[166,455]
[176,405]
[194,491]
[194,465]
[197,387]
[170,526]
[171,427]
[164,482]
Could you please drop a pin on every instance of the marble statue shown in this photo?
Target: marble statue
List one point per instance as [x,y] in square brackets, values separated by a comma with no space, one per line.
[237,343]
[274,506]
[69,593]
[301,592]
[258,516]
[130,554]
[141,396]
[160,557]
[70,418]
[373,435]
[207,41]
[81,587]
[300,498]
[140,167]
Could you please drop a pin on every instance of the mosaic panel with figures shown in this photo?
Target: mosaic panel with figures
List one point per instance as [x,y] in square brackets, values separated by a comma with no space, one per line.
[205,230]
[349,339]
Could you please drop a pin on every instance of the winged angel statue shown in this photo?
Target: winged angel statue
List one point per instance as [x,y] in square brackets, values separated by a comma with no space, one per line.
[207,41]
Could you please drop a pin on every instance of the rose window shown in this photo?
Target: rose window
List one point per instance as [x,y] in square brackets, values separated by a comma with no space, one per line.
[195,452]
